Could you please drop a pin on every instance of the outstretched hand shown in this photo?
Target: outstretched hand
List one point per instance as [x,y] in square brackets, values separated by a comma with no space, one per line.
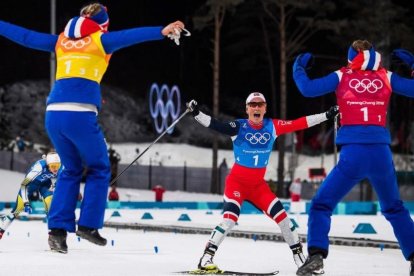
[303,61]
[332,112]
[193,107]
[405,56]
[173,31]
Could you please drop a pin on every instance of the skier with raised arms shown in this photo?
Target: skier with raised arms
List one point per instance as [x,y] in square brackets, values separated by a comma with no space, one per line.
[83,51]
[363,89]
[253,140]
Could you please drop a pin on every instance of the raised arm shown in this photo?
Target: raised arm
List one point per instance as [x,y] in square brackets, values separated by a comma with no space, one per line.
[400,85]
[284,126]
[28,38]
[315,87]
[230,128]
[113,41]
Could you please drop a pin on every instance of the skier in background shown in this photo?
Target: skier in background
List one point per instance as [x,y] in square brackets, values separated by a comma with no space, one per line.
[363,89]
[253,140]
[40,178]
[83,51]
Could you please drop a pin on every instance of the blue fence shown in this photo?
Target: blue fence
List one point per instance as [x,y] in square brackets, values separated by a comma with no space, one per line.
[343,208]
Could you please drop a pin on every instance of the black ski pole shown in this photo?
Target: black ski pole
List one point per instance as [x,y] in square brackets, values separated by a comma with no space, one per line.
[155,141]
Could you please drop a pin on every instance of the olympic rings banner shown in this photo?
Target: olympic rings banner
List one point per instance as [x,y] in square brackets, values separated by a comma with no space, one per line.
[164,104]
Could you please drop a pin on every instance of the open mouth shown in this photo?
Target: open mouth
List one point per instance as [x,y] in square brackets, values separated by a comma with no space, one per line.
[256,115]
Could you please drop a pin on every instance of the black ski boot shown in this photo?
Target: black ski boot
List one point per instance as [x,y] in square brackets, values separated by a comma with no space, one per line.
[313,264]
[412,267]
[57,240]
[91,235]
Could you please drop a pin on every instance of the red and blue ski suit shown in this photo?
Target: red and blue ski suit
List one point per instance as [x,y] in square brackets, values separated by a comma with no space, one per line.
[363,97]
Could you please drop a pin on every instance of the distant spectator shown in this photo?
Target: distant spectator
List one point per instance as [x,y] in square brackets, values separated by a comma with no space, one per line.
[295,189]
[114,159]
[21,144]
[113,194]
[159,192]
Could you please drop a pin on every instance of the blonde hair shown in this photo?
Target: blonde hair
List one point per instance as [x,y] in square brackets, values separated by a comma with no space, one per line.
[90,9]
[361,45]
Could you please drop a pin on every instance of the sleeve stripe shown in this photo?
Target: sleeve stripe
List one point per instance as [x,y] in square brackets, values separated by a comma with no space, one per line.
[339,73]
[315,119]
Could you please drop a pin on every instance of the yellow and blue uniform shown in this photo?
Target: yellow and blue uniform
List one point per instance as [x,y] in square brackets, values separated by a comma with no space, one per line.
[38,178]
[71,117]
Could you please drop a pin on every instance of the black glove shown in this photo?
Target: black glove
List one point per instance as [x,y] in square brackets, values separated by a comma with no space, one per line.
[193,107]
[332,112]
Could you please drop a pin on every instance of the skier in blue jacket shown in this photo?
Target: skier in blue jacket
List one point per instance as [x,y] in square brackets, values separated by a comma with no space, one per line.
[83,51]
[363,89]
[39,178]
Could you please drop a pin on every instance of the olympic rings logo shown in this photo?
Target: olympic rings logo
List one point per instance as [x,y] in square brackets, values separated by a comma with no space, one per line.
[258,138]
[164,106]
[78,44]
[367,85]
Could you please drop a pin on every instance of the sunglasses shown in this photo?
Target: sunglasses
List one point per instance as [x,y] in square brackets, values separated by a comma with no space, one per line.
[256,104]
[54,166]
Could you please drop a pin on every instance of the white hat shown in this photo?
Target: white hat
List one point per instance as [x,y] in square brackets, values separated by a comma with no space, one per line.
[255,95]
[52,157]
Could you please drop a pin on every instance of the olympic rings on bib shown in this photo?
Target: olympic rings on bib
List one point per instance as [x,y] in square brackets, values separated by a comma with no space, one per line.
[78,44]
[370,86]
[164,106]
[257,138]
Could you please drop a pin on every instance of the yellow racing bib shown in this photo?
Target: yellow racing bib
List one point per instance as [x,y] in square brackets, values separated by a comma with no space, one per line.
[81,58]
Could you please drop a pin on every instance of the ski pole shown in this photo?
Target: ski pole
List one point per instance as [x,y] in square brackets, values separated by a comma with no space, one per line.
[334,138]
[155,141]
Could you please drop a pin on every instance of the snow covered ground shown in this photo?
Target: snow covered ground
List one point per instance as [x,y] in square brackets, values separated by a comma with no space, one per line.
[129,252]
[24,248]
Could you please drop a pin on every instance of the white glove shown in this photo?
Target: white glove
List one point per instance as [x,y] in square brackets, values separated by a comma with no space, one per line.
[176,35]
[193,107]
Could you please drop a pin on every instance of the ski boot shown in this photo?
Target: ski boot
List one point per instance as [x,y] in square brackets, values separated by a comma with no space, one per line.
[412,266]
[5,222]
[91,235]
[298,256]
[57,240]
[312,266]
[206,262]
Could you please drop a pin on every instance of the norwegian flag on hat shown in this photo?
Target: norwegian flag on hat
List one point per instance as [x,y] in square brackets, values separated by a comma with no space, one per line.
[84,25]
[80,26]
[364,60]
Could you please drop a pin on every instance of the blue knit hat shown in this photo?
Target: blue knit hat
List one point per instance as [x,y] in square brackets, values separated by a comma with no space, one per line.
[101,17]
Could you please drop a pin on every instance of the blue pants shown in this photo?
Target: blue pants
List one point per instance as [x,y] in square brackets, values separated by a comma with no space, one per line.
[358,162]
[79,142]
